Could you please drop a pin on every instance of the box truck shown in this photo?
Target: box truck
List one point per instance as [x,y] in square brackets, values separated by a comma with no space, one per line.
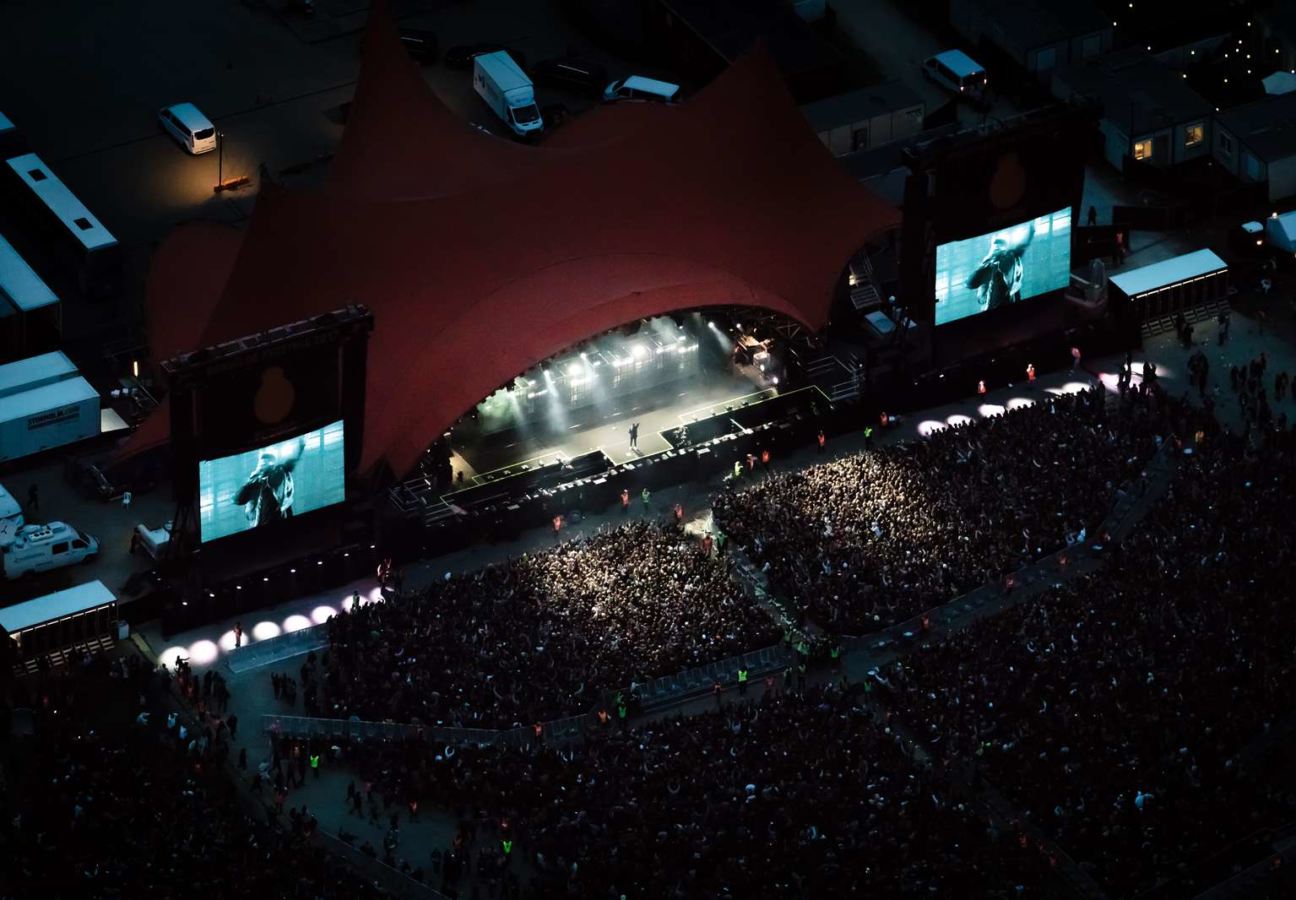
[508,91]
[51,415]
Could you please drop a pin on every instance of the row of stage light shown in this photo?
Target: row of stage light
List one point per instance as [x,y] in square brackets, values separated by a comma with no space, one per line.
[577,372]
[306,614]
[1109,380]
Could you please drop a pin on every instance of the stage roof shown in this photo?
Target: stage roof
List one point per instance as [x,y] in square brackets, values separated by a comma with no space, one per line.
[481,257]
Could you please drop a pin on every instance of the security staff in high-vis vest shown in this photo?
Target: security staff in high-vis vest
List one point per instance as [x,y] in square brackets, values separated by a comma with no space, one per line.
[314,764]
[742,681]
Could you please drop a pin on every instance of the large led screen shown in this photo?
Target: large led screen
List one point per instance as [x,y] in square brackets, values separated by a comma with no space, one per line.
[1004,267]
[260,487]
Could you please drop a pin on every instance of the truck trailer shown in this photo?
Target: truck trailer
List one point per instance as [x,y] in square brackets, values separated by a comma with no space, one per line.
[50,415]
[507,91]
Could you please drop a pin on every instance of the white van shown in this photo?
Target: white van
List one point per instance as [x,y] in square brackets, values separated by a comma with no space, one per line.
[636,87]
[958,73]
[10,511]
[39,548]
[192,129]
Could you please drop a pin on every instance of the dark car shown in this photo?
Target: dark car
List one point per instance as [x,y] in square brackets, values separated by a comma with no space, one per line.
[461,57]
[421,45]
[571,73]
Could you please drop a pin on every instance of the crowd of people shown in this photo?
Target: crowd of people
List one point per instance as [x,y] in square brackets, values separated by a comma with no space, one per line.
[542,636]
[1118,710]
[876,537]
[113,796]
[796,795]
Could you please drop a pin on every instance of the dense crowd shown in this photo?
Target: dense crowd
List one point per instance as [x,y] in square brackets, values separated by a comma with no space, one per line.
[543,635]
[877,537]
[791,797]
[112,796]
[1118,710]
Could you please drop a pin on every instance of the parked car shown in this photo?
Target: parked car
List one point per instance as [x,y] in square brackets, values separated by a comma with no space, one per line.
[421,45]
[462,56]
[191,129]
[570,73]
[959,74]
[637,87]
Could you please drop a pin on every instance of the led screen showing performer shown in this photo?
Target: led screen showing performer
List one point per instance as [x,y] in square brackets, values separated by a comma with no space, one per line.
[259,487]
[1004,267]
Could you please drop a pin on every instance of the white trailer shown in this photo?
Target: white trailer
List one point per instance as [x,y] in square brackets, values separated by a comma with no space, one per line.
[33,372]
[51,415]
[507,91]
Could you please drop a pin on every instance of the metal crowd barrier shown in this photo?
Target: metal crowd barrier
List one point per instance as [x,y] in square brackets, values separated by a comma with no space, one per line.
[556,731]
[276,649]
[392,881]
[758,662]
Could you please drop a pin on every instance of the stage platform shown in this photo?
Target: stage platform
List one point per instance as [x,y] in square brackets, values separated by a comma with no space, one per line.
[482,458]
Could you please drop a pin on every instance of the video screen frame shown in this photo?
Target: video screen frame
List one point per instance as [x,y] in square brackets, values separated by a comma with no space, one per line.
[1004,267]
[266,486]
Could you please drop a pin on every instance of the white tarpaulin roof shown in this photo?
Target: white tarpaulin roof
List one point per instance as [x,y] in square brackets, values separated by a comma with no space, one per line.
[1286,223]
[1279,83]
[55,606]
[1168,272]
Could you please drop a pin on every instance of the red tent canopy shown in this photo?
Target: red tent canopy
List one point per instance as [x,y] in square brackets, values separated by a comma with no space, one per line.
[480,257]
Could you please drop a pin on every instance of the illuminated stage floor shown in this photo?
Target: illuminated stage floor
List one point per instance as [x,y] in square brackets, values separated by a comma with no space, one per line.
[656,413]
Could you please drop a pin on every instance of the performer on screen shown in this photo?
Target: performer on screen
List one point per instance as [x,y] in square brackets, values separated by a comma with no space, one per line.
[267,496]
[998,279]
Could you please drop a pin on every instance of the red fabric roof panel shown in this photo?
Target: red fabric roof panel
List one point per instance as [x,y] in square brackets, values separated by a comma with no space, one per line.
[480,257]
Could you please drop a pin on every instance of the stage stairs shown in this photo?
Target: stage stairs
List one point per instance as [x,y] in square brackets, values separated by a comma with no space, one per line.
[835,376]
[864,295]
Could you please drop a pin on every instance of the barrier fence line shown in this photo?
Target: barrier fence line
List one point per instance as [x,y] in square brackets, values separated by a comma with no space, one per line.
[656,692]
[276,649]
[391,880]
